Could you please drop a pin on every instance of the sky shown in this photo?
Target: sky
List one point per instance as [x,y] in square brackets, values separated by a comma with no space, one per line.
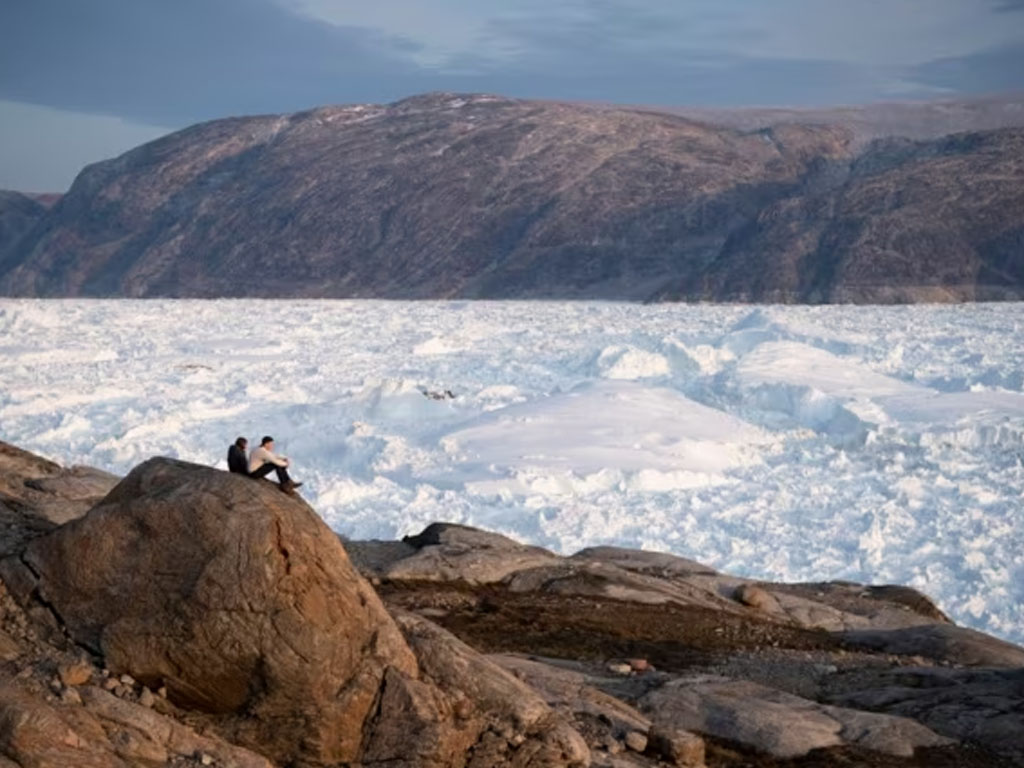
[83,80]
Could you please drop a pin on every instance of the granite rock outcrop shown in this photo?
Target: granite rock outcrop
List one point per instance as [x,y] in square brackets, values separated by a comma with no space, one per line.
[193,617]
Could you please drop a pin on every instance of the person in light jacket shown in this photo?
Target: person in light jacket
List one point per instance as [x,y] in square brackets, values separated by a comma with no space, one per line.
[263,461]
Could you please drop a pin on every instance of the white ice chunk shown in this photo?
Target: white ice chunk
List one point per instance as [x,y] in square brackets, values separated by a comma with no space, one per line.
[611,425]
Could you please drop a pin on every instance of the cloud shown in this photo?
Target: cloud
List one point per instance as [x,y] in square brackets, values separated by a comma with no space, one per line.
[434,32]
[885,33]
[187,60]
[173,63]
[636,57]
[702,51]
[996,69]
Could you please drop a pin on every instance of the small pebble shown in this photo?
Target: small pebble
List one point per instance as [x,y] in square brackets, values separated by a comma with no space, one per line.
[679,748]
[619,668]
[78,673]
[636,741]
[70,696]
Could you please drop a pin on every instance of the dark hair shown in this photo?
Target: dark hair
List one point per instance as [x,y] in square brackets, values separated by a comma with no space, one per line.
[266,439]
[241,442]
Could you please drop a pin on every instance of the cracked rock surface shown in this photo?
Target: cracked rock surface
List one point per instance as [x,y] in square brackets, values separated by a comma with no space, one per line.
[234,596]
[240,606]
[191,617]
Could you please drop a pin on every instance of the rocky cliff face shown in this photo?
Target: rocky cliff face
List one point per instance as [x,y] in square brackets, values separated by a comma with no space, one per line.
[909,221]
[192,617]
[18,214]
[475,196]
[237,605]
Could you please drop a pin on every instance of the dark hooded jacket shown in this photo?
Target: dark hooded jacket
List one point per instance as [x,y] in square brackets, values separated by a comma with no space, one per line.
[237,462]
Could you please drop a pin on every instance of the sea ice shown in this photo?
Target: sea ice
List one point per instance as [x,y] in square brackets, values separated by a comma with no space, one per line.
[877,444]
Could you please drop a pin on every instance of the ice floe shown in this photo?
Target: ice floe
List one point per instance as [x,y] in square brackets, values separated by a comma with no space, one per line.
[862,443]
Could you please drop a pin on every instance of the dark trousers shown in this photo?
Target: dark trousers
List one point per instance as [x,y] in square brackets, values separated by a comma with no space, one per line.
[267,468]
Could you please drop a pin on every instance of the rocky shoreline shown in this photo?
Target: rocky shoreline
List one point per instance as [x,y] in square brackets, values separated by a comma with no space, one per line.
[185,616]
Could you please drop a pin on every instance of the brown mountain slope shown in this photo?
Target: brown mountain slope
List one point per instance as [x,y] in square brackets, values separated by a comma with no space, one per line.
[18,214]
[477,196]
[928,221]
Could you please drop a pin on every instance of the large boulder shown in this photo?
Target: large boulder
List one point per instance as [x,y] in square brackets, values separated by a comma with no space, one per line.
[983,705]
[450,552]
[19,524]
[103,732]
[571,689]
[940,642]
[447,552]
[779,723]
[488,715]
[238,600]
[646,562]
[70,493]
[233,595]
[35,487]
[597,578]
[18,465]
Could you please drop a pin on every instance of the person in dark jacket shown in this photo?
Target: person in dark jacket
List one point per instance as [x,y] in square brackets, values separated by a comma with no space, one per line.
[238,462]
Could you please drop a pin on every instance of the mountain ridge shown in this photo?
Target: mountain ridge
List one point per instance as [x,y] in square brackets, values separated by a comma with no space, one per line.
[479,196]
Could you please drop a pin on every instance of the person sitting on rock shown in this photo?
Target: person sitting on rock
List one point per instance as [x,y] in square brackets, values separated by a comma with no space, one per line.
[263,461]
[238,462]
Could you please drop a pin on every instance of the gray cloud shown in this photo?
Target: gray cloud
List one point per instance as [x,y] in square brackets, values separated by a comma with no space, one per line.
[629,55]
[182,61]
[172,63]
[996,69]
